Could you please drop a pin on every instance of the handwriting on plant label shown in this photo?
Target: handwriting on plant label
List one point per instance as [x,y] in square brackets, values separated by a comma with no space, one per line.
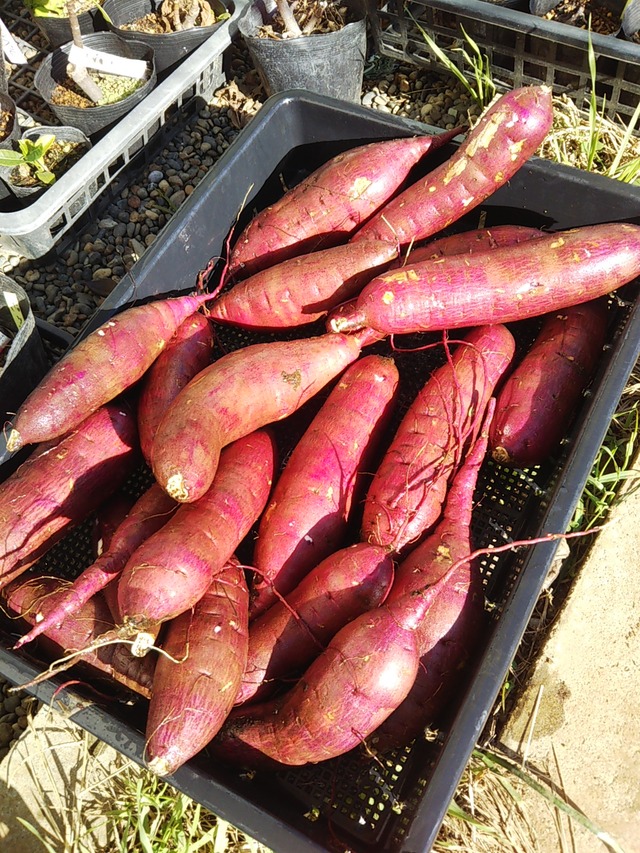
[107,62]
[13,304]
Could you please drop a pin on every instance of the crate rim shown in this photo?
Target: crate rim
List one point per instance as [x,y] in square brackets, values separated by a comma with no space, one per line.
[525,22]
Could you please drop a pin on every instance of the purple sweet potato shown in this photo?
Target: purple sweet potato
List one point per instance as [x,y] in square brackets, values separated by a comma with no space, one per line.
[188,352]
[286,638]
[151,512]
[312,504]
[62,483]
[301,290]
[407,493]
[241,392]
[328,205]
[99,368]
[172,570]
[107,519]
[509,132]
[346,693]
[539,399]
[451,630]
[194,689]
[79,630]
[507,284]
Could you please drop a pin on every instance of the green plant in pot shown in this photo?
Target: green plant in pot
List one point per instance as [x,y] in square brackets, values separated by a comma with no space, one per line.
[40,158]
[311,45]
[52,18]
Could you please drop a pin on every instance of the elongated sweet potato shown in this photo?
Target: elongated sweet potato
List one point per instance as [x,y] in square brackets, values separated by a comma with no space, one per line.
[149,514]
[242,391]
[408,489]
[188,352]
[539,399]
[451,630]
[308,514]
[470,242]
[509,132]
[328,205]
[62,483]
[79,630]
[301,290]
[172,570]
[193,693]
[99,368]
[107,520]
[511,283]
[346,693]
[286,638]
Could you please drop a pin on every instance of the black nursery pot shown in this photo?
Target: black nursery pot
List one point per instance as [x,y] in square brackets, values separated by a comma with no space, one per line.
[8,105]
[169,48]
[96,118]
[64,134]
[328,64]
[57,31]
[25,362]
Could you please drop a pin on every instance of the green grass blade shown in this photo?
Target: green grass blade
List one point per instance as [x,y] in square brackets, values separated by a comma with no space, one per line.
[492,759]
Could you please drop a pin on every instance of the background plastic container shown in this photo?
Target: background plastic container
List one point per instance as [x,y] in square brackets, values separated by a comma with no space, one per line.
[35,229]
[396,803]
[522,49]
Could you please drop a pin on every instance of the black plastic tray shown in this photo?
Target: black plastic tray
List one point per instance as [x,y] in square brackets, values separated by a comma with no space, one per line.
[522,49]
[356,803]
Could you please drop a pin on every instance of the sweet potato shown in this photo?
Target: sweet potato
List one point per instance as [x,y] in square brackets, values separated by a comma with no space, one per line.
[408,489]
[79,630]
[107,519]
[286,638]
[99,368]
[346,693]
[537,403]
[301,290]
[171,570]
[452,628]
[194,692]
[511,283]
[508,133]
[62,483]
[242,391]
[188,352]
[470,242]
[149,514]
[327,206]
[308,514]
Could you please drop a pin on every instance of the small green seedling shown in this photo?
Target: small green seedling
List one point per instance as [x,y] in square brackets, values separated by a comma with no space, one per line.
[31,154]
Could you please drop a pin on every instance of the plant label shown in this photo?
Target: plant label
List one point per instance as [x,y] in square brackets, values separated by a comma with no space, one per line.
[13,304]
[10,46]
[107,62]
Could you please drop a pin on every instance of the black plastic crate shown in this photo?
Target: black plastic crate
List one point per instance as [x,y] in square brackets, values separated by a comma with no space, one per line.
[522,49]
[397,802]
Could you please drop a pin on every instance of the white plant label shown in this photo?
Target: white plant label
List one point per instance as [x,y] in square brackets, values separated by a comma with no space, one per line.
[12,303]
[124,67]
[10,46]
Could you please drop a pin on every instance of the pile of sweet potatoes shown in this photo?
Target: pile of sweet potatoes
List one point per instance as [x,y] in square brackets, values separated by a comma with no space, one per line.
[295,578]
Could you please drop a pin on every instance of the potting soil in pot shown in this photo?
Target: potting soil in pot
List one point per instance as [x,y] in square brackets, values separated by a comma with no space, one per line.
[170,18]
[114,89]
[585,13]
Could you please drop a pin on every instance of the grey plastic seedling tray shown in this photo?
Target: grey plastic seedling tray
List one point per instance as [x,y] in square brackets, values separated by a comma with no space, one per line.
[522,49]
[34,230]
[355,803]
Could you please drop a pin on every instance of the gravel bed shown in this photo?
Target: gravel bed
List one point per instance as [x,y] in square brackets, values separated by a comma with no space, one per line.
[67,290]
